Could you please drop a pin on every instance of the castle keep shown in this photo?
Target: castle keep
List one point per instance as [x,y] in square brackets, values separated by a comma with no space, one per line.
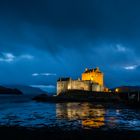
[94,75]
[92,80]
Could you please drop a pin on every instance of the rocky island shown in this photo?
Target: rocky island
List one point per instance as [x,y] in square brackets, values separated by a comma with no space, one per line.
[87,89]
[90,88]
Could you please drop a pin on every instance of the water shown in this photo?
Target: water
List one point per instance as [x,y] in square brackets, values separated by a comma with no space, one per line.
[21,110]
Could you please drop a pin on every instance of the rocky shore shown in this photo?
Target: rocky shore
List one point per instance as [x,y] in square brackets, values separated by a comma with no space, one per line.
[79,96]
[87,96]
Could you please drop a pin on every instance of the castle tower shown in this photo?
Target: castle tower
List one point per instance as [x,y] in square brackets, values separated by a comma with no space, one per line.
[94,75]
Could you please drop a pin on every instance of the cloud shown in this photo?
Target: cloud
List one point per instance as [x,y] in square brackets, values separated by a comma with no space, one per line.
[64,29]
[43,74]
[120,48]
[26,56]
[10,57]
[75,21]
[7,57]
[132,67]
[35,74]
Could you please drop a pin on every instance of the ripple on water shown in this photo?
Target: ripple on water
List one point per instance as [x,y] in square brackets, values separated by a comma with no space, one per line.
[70,116]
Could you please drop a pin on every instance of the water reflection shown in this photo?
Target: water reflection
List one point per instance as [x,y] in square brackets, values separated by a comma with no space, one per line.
[92,116]
[104,116]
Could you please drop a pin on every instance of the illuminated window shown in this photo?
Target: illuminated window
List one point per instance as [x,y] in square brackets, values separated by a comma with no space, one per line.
[117,90]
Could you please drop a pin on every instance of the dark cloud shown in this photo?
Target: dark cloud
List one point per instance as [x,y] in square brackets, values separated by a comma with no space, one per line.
[68,35]
[96,20]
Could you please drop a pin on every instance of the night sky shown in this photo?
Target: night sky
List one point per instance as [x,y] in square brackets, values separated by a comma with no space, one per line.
[41,40]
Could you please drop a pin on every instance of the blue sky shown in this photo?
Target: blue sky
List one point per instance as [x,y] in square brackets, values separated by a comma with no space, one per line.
[42,40]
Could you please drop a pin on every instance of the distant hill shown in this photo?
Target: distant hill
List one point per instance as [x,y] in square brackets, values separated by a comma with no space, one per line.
[127,88]
[5,90]
[27,89]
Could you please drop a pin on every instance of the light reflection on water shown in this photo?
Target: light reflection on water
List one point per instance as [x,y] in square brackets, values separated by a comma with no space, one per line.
[99,116]
[89,117]
[69,115]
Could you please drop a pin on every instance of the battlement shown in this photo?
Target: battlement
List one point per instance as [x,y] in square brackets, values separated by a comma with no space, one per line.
[92,70]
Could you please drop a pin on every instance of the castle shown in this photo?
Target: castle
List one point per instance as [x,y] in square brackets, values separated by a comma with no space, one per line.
[92,80]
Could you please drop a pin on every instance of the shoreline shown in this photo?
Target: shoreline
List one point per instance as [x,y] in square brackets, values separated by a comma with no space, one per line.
[79,96]
[65,100]
[88,96]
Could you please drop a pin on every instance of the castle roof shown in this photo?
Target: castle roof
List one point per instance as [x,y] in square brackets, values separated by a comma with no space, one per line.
[64,79]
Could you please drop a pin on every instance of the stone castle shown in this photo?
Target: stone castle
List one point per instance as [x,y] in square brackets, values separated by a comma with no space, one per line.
[92,80]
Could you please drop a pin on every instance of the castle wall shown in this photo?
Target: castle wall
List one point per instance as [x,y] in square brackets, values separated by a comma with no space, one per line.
[62,86]
[79,85]
[98,88]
